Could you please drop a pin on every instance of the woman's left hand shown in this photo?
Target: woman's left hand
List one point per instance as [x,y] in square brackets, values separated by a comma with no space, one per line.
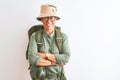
[41,55]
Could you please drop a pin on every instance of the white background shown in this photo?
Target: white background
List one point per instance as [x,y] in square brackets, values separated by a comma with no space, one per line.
[93,28]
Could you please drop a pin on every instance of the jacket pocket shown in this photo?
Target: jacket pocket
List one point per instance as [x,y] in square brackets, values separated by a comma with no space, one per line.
[37,72]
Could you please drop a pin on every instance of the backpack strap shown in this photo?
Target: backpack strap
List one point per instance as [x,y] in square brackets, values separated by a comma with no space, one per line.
[59,41]
[38,38]
[58,36]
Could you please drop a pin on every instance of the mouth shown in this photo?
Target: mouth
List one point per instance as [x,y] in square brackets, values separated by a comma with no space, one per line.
[49,25]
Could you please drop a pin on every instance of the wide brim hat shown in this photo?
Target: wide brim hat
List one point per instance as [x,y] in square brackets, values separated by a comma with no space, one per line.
[48,10]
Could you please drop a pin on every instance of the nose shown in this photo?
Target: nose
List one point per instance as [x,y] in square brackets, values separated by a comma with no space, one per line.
[48,20]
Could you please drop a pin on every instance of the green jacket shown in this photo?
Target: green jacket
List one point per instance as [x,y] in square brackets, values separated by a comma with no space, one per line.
[49,45]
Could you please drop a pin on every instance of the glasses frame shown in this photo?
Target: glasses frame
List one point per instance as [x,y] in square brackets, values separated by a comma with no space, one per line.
[51,18]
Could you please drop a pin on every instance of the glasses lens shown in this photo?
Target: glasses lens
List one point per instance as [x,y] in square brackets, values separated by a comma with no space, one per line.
[51,18]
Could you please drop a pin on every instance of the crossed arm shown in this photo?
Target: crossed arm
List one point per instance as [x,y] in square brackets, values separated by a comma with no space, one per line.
[47,59]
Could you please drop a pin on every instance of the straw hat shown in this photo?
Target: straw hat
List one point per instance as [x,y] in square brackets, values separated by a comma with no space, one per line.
[48,10]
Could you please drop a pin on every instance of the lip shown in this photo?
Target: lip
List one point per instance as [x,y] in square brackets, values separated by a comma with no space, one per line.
[49,25]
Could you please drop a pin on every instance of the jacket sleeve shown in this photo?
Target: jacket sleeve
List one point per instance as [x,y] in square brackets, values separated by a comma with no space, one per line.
[32,51]
[63,58]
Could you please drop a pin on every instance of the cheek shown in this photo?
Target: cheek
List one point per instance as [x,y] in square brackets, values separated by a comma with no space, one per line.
[54,22]
[44,23]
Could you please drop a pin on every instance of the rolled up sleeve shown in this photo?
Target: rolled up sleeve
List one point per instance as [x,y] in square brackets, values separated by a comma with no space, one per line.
[33,58]
[63,57]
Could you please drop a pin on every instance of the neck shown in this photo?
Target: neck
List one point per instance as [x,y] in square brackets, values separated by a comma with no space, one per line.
[48,31]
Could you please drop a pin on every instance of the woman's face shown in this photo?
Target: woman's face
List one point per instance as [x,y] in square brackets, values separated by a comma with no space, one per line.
[49,22]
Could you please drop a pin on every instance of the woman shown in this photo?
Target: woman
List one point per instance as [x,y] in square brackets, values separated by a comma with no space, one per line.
[50,59]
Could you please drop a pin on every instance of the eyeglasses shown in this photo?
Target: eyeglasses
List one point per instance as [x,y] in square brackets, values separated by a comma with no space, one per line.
[51,18]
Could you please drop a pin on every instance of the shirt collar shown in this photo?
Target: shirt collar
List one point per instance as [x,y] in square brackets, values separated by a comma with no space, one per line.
[50,35]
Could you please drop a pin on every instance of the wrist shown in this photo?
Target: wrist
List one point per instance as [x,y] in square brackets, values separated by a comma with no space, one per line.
[47,55]
[51,63]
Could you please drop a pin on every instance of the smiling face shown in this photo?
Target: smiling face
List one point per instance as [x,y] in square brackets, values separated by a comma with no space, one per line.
[49,23]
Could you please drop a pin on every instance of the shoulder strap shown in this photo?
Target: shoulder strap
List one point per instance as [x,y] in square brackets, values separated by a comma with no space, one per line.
[38,38]
[58,36]
[59,41]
